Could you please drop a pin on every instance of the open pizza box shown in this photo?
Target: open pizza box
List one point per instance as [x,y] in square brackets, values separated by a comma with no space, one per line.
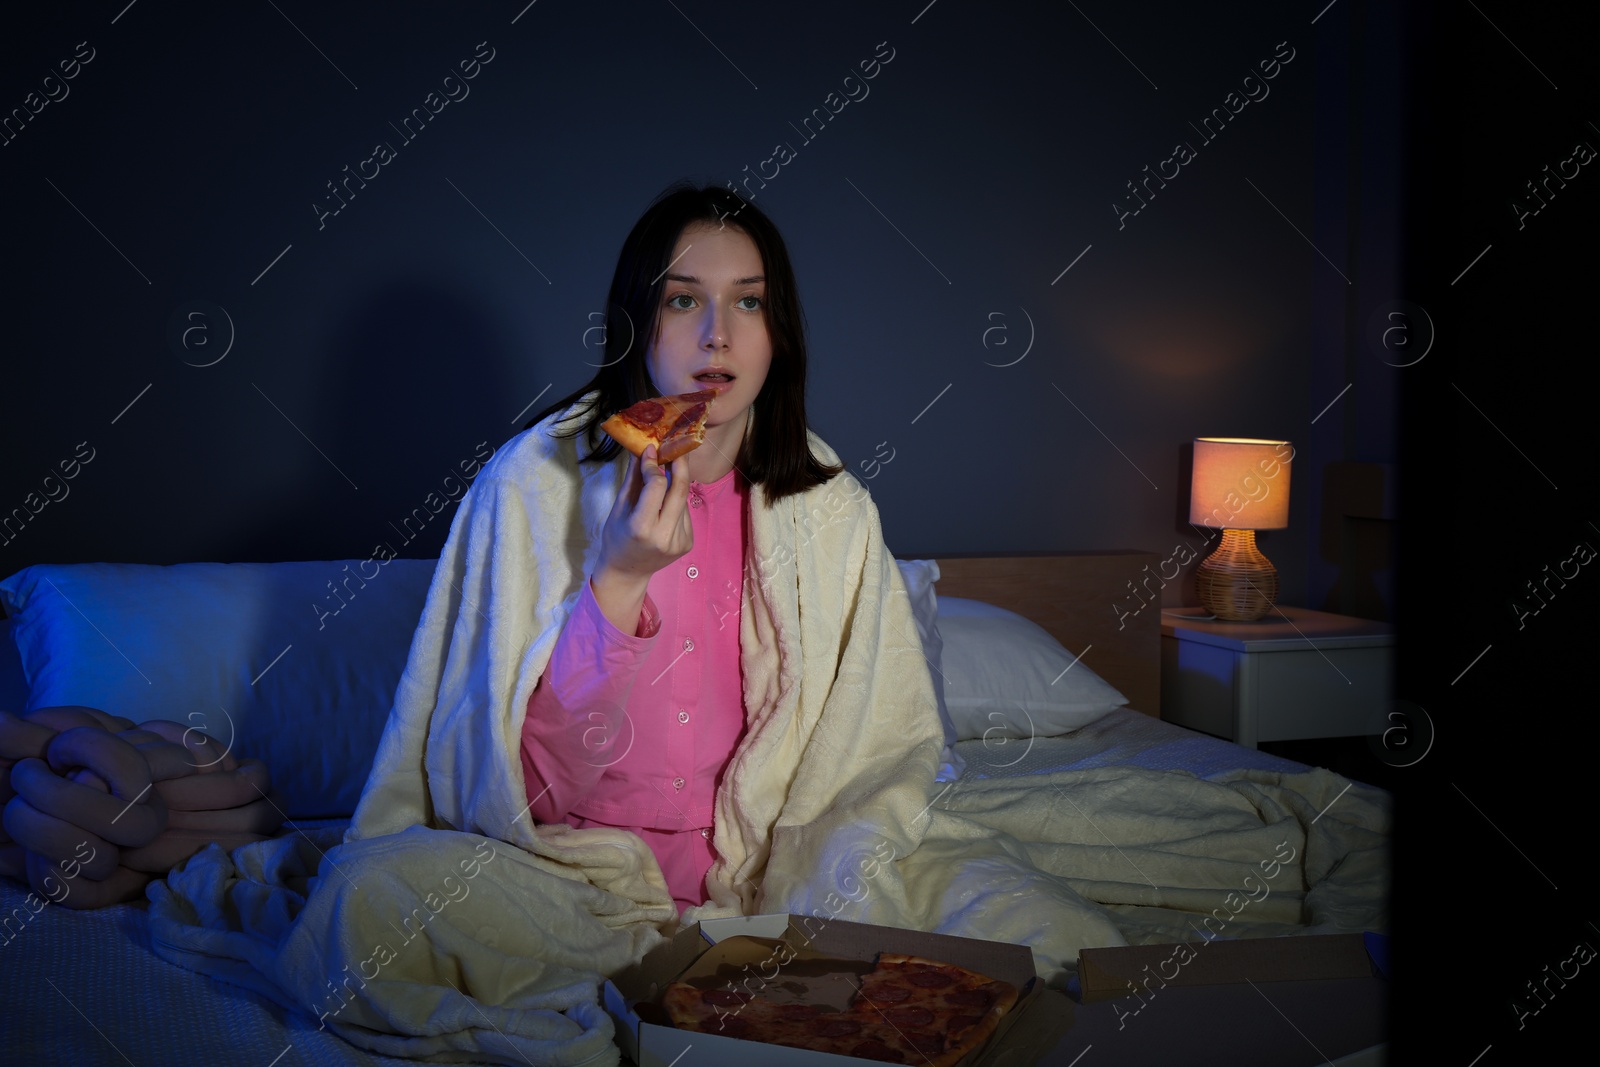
[1028,1031]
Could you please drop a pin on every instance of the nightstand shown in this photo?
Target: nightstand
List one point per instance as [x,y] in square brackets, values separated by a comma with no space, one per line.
[1294,674]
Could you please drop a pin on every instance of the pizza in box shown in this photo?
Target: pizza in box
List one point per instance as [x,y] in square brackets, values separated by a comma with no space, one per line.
[906,1009]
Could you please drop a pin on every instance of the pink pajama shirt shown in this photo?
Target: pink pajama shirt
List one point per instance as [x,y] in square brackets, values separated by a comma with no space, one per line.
[635,730]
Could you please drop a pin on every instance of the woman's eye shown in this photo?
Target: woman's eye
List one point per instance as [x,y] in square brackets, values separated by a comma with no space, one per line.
[750,303]
[673,302]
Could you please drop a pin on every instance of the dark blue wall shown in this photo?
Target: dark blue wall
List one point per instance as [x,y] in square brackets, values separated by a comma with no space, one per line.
[930,221]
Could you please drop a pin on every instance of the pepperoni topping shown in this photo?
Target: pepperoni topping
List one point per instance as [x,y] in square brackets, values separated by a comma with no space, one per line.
[687,420]
[930,979]
[876,1050]
[726,998]
[890,994]
[834,1026]
[912,1015]
[645,413]
[925,1043]
[798,1013]
[727,1025]
[970,998]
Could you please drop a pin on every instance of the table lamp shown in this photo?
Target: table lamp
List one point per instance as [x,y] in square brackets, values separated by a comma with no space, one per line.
[1240,485]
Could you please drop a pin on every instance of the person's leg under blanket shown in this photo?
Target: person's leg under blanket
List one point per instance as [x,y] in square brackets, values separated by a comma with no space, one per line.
[433,941]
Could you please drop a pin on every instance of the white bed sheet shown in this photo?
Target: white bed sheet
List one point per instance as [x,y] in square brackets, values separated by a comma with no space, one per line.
[83,989]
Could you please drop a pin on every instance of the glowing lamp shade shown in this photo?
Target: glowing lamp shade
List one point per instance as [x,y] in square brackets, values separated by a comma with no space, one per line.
[1240,485]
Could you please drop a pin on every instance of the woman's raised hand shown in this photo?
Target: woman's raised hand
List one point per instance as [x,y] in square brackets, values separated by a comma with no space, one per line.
[648,528]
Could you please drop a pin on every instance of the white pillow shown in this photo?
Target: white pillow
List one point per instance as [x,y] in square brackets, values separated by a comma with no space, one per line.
[260,655]
[1004,676]
[919,575]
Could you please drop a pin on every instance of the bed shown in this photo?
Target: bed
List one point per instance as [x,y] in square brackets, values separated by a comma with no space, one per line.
[89,987]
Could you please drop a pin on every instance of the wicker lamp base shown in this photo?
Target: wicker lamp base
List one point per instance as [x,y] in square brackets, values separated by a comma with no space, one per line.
[1236,582]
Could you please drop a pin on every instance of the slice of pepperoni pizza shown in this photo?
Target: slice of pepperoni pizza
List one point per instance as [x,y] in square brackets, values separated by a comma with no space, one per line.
[676,425]
[931,1011]
[908,1010]
[747,1017]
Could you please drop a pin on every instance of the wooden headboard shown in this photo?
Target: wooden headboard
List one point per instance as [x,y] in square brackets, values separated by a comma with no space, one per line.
[1083,600]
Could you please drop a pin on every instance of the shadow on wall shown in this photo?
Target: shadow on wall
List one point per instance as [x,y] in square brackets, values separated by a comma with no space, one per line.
[407,394]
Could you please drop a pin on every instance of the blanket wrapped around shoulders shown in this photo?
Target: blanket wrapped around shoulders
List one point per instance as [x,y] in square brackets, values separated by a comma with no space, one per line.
[447,925]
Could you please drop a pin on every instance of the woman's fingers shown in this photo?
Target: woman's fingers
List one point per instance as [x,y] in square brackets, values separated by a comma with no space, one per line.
[675,511]
[649,523]
[678,491]
[627,494]
[657,493]
[629,505]
[655,475]
[667,485]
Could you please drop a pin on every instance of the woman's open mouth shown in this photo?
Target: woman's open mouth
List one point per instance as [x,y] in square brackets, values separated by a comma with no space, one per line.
[717,381]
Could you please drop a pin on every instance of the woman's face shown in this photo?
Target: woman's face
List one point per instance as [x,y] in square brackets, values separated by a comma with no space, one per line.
[712,320]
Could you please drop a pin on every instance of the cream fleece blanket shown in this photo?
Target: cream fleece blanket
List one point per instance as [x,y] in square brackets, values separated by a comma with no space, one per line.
[838,695]
[447,925]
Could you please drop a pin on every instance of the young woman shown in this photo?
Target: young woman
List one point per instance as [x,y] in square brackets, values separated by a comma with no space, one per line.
[698,683]
[639,710]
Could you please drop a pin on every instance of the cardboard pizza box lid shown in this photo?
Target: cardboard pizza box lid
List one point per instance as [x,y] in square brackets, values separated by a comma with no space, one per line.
[1126,970]
[1293,1001]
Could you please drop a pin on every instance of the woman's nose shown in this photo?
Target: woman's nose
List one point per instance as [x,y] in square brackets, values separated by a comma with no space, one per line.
[716,330]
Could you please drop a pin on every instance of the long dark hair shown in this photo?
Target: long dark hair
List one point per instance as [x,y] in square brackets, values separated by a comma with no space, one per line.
[776,454]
